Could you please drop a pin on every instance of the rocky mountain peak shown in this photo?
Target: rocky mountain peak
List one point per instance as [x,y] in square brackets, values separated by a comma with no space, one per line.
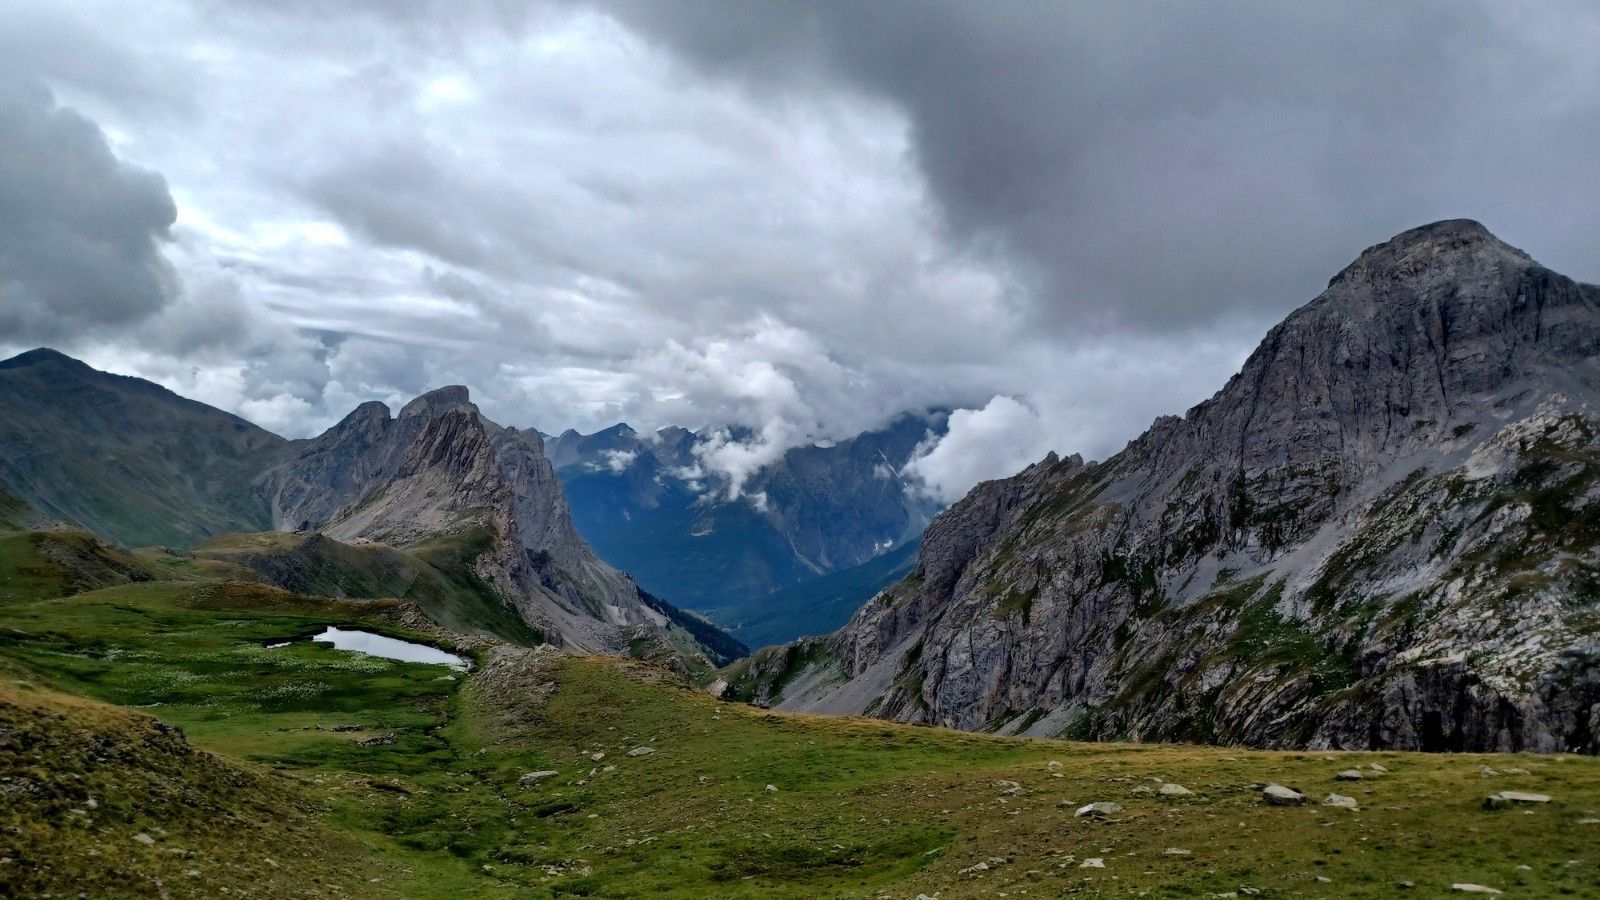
[1443,246]
[1380,533]
[437,402]
[372,409]
[41,356]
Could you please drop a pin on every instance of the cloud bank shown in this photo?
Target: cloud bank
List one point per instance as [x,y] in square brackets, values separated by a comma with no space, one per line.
[784,222]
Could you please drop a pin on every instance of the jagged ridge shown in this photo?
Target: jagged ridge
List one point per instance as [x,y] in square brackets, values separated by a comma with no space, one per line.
[1376,535]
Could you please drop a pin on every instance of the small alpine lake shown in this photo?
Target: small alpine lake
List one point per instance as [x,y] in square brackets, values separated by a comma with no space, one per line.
[356,641]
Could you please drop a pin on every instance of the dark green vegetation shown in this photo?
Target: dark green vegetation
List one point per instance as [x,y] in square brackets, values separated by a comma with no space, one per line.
[721,647]
[261,793]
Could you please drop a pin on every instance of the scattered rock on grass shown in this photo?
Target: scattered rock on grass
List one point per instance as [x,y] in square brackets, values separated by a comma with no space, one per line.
[1093,862]
[1175,790]
[1469,888]
[641,751]
[1506,799]
[1278,795]
[1098,809]
[1339,800]
[1349,775]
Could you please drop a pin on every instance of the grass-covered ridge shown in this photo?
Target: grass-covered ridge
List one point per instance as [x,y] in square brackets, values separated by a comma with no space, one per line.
[262,794]
[437,575]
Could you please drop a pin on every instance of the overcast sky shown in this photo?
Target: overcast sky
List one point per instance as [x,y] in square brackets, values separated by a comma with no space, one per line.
[1064,218]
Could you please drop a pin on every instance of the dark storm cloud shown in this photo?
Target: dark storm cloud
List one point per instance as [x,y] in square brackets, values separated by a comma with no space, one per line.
[80,231]
[796,217]
[1155,164]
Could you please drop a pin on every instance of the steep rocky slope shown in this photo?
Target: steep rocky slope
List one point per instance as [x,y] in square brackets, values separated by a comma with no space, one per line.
[1382,533]
[648,505]
[442,480]
[125,458]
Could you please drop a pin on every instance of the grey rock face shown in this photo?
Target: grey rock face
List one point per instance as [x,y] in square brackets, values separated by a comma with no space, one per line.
[1381,533]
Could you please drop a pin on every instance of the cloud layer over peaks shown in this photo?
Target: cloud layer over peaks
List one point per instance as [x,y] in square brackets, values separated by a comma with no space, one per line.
[783,222]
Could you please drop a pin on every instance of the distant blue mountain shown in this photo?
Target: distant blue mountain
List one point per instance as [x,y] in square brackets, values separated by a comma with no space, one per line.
[827,509]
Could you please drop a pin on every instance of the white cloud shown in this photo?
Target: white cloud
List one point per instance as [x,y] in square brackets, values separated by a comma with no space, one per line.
[618,461]
[993,442]
[587,223]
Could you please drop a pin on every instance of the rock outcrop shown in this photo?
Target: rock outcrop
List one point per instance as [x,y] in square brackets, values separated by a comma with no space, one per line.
[1381,533]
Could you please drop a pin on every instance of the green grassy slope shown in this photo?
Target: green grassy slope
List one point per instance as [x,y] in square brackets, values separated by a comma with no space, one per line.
[59,563]
[437,576]
[859,808]
[105,802]
[125,458]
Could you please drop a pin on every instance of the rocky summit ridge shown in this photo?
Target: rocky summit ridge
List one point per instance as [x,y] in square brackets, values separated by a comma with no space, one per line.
[1381,533]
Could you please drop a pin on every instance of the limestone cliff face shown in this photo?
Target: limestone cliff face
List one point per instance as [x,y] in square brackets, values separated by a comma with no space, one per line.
[1382,532]
[442,478]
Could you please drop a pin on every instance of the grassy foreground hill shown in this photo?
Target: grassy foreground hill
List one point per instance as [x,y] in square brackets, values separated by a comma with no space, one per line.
[153,744]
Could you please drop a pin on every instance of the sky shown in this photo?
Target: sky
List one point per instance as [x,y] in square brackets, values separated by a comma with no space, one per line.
[1058,219]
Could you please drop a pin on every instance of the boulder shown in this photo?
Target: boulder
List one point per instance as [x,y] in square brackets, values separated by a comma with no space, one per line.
[1506,799]
[1339,800]
[1278,795]
[1098,809]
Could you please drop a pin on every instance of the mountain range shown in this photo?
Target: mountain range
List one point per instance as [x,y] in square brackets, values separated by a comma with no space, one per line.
[438,495]
[1381,533]
[648,506]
